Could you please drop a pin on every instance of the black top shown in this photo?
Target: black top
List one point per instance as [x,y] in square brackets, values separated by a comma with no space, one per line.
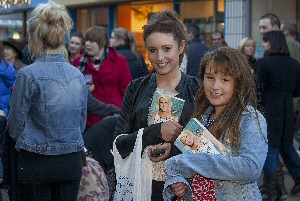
[135,110]
[137,66]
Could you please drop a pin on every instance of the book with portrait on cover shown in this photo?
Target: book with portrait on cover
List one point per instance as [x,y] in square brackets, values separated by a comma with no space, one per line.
[196,138]
[164,108]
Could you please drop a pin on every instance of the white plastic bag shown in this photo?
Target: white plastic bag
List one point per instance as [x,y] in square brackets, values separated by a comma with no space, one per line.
[134,173]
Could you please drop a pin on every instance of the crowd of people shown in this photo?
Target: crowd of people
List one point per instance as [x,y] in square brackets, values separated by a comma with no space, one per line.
[65,108]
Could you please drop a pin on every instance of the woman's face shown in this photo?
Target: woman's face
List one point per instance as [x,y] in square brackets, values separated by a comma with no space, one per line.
[218,88]
[187,139]
[75,45]
[266,46]
[163,52]
[249,48]
[164,105]
[92,48]
[10,53]
[115,42]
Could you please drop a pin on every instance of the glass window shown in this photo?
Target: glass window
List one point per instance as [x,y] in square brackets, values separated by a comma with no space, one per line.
[11,26]
[208,15]
[87,18]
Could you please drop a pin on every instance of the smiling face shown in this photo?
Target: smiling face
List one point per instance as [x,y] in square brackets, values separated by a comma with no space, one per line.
[266,26]
[76,45]
[187,139]
[163,52]
[164,105]
[218,88]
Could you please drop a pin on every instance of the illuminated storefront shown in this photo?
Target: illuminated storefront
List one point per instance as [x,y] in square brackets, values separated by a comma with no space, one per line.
[13,16]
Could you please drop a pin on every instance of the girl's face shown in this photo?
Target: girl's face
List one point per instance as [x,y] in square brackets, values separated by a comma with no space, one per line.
[218,88]
[187,140]
[249,48]
[266,45]
[75,45]
[9,53]
[92,48]
[115,42]
[163,105]
[163,52]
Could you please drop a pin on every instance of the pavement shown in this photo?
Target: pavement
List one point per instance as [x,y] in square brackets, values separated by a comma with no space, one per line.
[289,183]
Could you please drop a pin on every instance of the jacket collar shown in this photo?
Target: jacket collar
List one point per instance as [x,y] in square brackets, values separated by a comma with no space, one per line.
[51,58]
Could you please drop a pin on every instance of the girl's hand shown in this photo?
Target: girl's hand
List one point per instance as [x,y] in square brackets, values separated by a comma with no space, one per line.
[170,130]
[179,189]
[91,87]
[167,149]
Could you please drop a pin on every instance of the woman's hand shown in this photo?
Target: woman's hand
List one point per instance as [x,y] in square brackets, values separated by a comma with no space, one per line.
[170,130]
[91,87]
[179,189]
[167,149]
[2,113]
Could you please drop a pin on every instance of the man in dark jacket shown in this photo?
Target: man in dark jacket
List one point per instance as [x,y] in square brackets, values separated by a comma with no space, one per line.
[195,50]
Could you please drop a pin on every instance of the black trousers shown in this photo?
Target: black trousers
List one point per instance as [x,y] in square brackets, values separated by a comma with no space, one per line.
[49,177]
[56,191]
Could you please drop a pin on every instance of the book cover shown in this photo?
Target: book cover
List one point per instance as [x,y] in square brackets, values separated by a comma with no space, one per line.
[196,138]
[164,108]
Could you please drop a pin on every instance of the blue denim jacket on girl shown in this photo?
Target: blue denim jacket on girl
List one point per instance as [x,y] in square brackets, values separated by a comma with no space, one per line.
[49,107]
[235,177]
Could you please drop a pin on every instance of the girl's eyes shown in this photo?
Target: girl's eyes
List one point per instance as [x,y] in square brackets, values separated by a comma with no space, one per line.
[151,50]
[166,49]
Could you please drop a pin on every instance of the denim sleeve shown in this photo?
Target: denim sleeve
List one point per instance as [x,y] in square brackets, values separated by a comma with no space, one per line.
[243,168]
[20,104]
[168,192]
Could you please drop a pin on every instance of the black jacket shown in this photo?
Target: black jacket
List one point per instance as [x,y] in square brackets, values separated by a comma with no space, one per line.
[195,52]
[137,66]
[135,110]
[279,81]
[96,107]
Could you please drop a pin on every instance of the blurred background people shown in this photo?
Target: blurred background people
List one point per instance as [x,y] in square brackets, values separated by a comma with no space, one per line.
[48,111]
[7,80]
[125,44]
[195,50]
[279,80]
[217,40]
[76,46]
[247,47]
[109,70]
[290,31]
[13,52]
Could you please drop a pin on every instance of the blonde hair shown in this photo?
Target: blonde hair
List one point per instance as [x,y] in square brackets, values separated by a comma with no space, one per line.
[167,98]
[47,27]
[129,38]
[243,43]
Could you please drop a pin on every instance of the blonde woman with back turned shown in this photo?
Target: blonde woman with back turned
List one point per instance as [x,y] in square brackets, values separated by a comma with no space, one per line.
[48,111]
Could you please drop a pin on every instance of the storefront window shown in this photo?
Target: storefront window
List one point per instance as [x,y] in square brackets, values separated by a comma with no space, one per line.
[208,15]
[11,26]
[87,18]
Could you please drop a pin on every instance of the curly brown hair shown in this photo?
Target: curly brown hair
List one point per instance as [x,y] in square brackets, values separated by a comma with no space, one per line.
[231,62]
[166,21]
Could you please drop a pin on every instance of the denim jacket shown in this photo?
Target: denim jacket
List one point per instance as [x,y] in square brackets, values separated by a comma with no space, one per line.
[235,177]
[49,107]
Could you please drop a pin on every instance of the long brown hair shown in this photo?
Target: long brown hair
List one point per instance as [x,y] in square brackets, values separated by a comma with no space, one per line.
[230,62]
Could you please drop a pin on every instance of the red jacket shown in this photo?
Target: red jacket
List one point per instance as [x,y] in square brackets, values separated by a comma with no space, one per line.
[110,80]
